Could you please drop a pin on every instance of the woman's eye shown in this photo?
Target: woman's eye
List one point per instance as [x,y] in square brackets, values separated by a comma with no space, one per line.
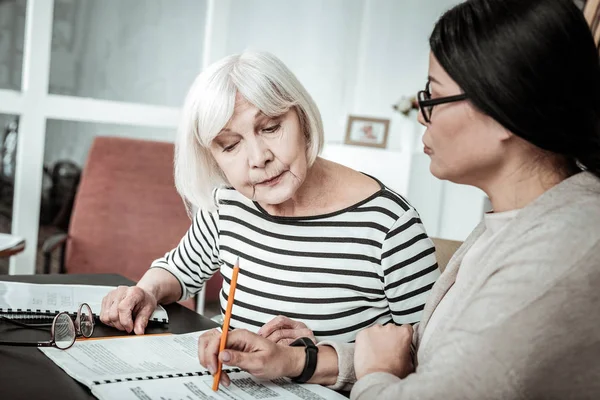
[229,148]
[272,129]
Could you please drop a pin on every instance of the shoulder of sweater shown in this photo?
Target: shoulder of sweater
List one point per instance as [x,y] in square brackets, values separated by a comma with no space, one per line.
[570,207]
[550,245]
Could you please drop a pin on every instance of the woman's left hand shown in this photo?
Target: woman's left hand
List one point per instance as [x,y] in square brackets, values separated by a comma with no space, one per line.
[384,349]
[283,330]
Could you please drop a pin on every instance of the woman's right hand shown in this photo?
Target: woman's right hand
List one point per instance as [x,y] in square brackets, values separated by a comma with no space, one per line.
[250,352]
[128,308]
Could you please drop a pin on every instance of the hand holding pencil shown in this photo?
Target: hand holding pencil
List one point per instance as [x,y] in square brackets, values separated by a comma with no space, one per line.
[223,343]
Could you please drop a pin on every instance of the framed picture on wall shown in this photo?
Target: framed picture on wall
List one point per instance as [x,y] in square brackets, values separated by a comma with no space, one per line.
[365,131]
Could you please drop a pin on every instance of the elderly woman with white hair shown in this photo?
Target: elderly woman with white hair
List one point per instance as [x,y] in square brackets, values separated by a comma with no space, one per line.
[324,250]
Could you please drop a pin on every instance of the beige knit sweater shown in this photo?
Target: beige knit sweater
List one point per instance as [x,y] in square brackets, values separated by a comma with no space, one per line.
[527,326]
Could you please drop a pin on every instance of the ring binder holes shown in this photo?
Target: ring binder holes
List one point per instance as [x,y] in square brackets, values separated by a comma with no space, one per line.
[139,378]
[119,380]
[107,381]
[170,376]
[96,382]
[9,309]
[128,379]
[189,374]
[180,375]
[150,377]
[160,376]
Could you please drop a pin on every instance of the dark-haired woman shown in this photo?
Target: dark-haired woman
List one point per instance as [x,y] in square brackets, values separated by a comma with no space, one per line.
[512,106]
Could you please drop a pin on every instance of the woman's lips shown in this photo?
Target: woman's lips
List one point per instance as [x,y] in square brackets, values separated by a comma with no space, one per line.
[273,181]
[427,150]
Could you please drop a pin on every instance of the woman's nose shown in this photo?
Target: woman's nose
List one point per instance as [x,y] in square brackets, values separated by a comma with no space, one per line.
[260,154]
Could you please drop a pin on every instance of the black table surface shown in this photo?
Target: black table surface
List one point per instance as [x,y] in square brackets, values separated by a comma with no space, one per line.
[26,373]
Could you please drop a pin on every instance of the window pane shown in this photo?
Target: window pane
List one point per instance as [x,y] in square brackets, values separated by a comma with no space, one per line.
[66,149]
[9,125]
[143,51]
[12,38]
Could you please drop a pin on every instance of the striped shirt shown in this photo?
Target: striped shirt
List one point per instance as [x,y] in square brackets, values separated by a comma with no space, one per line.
[338,273]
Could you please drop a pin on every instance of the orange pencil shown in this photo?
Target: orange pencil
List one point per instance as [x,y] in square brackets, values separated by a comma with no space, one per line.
[236,269]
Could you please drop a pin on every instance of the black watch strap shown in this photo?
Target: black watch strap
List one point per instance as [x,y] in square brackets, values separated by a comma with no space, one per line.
[310,365]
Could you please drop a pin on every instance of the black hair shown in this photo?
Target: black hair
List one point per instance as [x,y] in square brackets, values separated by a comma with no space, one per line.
[531,65]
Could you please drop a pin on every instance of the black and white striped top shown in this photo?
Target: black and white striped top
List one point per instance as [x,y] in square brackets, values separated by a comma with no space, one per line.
[338,273]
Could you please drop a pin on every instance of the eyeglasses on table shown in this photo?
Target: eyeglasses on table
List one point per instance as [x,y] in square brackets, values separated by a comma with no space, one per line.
[63,330]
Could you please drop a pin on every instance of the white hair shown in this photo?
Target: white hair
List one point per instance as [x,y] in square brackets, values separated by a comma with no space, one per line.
[264,81]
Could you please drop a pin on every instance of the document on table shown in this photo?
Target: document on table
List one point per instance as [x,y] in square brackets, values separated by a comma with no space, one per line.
[8,241]
[31,298]
[165,367]
[243,387]
[94,361]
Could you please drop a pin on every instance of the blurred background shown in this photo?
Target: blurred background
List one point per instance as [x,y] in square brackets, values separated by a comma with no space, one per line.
[71,70]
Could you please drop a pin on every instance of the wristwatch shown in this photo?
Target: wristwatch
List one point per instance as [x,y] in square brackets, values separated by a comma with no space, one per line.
[310,365]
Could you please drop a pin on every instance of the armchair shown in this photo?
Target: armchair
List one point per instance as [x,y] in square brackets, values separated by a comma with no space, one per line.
[126,213]
[444,250]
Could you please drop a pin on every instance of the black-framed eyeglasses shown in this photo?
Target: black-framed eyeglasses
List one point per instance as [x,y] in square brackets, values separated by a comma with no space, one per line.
[426,103]
[63,330]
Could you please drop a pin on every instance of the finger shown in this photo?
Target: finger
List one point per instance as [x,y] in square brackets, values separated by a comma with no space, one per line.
[125,315]
[203,354]
[243,350]
[104,308]
[225,380]
[247,361]
[211,352]
[278,335]
[277,323]
[126,307]
[244,340]
[292,334]
[113,317]
[142,317]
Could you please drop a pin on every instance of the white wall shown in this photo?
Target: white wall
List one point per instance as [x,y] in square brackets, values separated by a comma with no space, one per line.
[316,39]
[462,208]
